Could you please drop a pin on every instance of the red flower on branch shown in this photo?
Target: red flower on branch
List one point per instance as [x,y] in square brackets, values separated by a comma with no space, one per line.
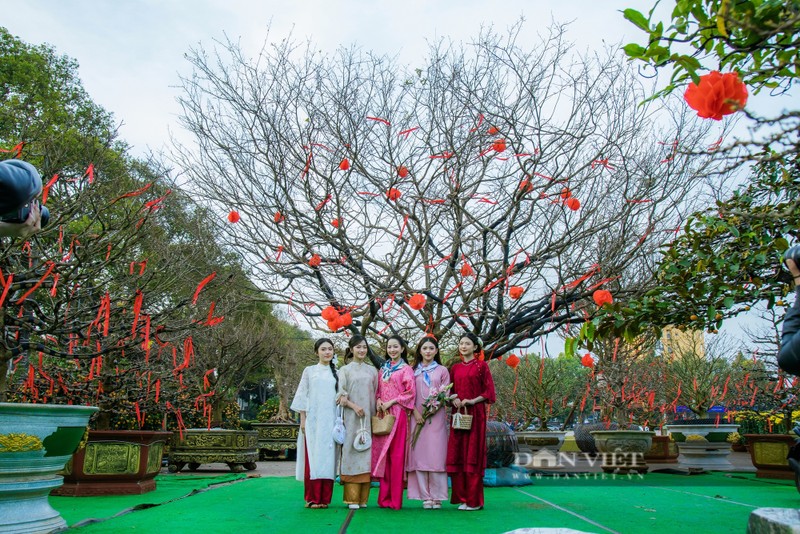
[278,217]
[417,301]
[344,165]
[393,194]
[516,292]
[315,260]
[402,171]
[602,296]
[716,95]
[587,360]
[233,216]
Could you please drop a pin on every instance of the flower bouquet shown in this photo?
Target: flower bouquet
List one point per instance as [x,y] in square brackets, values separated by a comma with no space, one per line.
[434,402]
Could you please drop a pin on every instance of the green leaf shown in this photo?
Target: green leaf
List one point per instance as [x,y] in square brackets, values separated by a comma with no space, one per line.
[637,18]
[634,50]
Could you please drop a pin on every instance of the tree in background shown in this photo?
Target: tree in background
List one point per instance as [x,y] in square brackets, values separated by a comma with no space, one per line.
[492,190]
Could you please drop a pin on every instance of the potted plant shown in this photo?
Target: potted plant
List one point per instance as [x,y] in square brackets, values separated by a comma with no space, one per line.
[533,392]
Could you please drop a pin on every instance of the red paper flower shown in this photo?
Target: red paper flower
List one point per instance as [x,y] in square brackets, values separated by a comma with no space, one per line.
[402,171]
[233,216]
[467,270]
[492,130]
[393,194]
[417,301]
[602,296]
[329,313]
[566,193]
[499,145]
[516,292]
[278,217]
[716,95]
[573,203]
[344,165]
[315,260]
[336,222]
[513,361]
[587,360]
[345,319]
[333,324]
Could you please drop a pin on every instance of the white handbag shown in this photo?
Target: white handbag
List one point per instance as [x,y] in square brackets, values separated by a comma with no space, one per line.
[363,439]
[338,427]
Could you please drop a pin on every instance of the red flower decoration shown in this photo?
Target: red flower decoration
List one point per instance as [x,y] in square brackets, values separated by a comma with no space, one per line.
[345,319]
[716,95]
[344,165]
[467,270]
[402,171]
[315,260]
[516,292]
[566,193]
[233,216]
[513,361]
[278,217]
[333,324]
[573,203]
[499,145]
[417,301]
[393,194]
[587,360]
[602,296]
[336,222]
[492,130]
[329,313]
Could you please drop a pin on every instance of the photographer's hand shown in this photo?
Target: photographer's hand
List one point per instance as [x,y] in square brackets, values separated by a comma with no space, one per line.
[25,229]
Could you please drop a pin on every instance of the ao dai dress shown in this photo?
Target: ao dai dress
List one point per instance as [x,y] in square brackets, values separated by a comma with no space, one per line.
[316,395]
[427,476]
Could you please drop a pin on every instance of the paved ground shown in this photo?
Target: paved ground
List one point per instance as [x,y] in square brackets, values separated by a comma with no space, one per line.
[285,468]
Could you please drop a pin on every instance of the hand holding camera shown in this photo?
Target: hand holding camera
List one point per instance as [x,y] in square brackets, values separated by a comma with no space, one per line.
[20,212]
[792,260]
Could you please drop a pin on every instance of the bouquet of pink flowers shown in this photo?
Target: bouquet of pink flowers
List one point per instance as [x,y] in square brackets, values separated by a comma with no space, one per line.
[434,402]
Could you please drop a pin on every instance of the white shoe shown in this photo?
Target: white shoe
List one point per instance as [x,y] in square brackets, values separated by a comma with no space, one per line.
[435,505]
[353,506]
[463,506]
[362,505]
[427,505]
[470,508]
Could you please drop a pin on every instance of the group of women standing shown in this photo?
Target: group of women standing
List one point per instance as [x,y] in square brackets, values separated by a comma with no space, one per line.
[398,389]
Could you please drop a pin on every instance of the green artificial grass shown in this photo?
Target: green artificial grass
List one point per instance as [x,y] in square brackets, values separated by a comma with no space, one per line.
[664,503]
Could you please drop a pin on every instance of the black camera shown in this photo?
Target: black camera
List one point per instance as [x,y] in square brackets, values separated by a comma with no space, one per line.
[21,215]
[20,184]
[792,253]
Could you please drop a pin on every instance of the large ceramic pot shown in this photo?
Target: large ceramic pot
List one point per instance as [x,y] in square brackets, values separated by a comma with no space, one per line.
[501,445]
[703,446]
[115,462]
[237,448]
[769,454]
[623,450]
[36,440]
[663,451]
[274,438]
[537,440]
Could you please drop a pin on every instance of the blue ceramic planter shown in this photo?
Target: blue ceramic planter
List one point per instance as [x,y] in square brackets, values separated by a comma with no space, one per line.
[26,477]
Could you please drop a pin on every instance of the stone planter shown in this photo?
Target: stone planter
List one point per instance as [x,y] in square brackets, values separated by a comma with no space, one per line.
[38,439]
[712,454]
[663,451]
[768,453]
[115,462]
[536,440]
[623,450]
[501,445]
[237,448]
[583,435]
[274,438]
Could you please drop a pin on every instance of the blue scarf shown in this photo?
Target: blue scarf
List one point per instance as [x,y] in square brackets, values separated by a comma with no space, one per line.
[424,371]
[388,369]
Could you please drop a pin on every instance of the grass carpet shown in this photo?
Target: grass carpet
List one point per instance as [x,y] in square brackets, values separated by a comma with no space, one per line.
[663,503]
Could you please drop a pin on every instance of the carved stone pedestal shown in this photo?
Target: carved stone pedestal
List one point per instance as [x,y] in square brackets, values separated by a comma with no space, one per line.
[274,438]
[237,448]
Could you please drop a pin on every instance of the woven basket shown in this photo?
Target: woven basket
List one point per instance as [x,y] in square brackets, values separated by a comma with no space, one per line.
[382,425]
[462,421]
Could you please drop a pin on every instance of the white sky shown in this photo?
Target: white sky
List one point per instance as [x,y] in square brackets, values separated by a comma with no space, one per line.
[132,51]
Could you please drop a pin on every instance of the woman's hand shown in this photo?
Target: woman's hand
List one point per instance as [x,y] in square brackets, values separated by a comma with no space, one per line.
[418,417]
[457,403]
[356,408]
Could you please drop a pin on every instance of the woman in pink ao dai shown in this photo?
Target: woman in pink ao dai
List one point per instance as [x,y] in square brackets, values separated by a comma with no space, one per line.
[427,473]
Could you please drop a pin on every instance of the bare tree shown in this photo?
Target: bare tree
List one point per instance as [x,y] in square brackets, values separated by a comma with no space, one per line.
[503,185]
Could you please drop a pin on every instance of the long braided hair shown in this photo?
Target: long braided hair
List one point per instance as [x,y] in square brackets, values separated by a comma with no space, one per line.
[317,345]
